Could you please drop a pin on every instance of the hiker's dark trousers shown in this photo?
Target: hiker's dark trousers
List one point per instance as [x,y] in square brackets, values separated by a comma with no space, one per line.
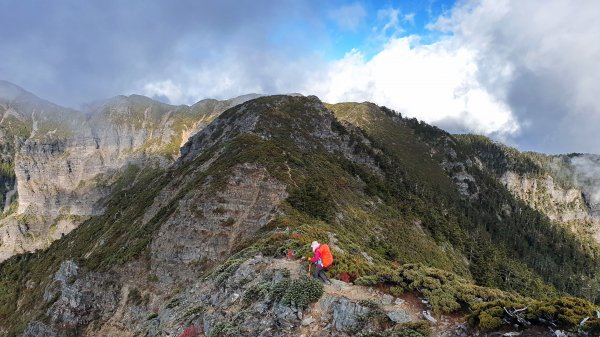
[319,272]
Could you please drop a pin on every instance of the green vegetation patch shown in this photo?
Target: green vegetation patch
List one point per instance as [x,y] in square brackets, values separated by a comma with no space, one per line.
[299,292]
[568,313]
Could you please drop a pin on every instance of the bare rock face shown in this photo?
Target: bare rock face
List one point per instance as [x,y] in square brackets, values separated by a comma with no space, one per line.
[544,195]
[76,301]
[566,206]
[38,329]
[228,302]
[345,313]
[206,228]
[72,167]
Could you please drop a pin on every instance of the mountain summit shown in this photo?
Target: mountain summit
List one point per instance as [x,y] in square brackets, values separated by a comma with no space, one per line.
[11,92]
[425,227]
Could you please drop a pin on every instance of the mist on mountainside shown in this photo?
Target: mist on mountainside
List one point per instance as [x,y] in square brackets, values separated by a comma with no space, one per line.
[587,175]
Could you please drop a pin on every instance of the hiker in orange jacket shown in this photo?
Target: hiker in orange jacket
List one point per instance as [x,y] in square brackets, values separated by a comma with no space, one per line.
[322,260]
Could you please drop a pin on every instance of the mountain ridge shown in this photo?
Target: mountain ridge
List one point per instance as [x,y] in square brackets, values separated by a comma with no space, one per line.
[61,162]
[405,207]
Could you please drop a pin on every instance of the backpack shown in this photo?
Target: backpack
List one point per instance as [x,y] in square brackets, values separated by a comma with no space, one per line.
[326,256]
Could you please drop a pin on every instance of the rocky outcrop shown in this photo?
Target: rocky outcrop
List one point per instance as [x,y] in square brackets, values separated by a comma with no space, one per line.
[464,181]
[345,314]
[206,228]
[225,303]
[39,329]
[545,195]
[567,206]
[76,301]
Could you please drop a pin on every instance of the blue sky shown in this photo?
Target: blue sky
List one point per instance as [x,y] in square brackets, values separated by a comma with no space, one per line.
[365,31]
[514,70]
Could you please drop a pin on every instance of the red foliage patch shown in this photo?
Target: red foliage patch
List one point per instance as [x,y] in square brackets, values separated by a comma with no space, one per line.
[191,331]
[290,254]
[344,277]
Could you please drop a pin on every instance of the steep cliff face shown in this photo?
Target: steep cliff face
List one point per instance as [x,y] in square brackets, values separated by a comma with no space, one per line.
[567,206]
[61,163]
[25,116]
[565,188]
[543,194]
[206,228]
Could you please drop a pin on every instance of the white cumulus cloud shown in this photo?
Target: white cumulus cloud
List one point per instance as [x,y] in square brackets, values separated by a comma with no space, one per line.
[552,53]
[525,72]
[437,83]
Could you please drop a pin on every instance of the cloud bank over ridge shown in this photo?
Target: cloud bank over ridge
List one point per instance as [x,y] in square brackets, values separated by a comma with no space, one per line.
[522,72]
